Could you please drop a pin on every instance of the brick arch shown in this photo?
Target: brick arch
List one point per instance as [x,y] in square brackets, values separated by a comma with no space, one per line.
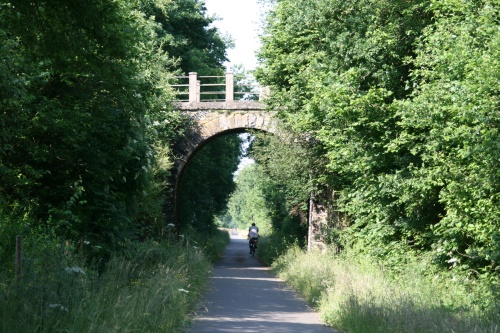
[213,123]
[210,119]
[213,119]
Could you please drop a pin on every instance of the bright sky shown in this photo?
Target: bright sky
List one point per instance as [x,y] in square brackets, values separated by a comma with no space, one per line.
[240,19]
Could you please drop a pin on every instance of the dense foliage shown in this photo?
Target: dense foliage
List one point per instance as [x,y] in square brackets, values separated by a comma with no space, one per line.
[87,135]
[191,39]
[402,100]
[273,193]
[207,183]
[74,153]
[247,203]
[86,123]
[288,166]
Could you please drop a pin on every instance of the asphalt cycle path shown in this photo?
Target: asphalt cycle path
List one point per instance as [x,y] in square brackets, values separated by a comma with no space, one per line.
[243,297]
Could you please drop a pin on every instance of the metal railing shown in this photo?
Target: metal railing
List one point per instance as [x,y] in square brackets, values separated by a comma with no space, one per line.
[215,89]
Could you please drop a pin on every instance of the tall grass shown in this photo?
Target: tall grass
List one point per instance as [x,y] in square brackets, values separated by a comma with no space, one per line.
[212,244]
[355,295]
[273,246]
[149,287]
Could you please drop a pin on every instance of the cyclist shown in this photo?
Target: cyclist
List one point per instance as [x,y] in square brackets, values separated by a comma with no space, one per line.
[253,234]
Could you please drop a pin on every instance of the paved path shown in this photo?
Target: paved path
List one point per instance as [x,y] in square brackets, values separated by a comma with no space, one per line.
[245,298]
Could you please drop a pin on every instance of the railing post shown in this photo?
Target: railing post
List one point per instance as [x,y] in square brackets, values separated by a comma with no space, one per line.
[229,86]
[264,93]
[193,90]
[198,91]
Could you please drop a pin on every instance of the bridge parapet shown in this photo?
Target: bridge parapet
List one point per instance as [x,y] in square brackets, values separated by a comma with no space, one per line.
[205,89]
[241,105]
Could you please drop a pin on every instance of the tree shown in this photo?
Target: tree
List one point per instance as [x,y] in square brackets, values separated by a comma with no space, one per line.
[398,95]
[198,46]
[451,124]
[81,124]
[248,203]
[207,183]
[284,173]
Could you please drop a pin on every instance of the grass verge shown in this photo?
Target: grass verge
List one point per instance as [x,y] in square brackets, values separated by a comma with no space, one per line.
[356,296]
[148,287]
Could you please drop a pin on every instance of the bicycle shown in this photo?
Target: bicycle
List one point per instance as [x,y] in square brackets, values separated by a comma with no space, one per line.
[253,246]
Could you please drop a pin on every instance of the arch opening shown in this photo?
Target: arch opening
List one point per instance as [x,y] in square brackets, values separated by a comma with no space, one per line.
[217,146]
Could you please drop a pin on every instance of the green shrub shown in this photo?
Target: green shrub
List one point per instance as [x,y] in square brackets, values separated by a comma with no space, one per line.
[277,243]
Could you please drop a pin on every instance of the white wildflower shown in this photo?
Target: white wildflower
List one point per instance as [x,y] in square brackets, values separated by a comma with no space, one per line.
[59,307]
[183,290]
[74,269]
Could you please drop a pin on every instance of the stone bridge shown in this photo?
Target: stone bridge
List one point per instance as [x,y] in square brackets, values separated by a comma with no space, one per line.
[211,118]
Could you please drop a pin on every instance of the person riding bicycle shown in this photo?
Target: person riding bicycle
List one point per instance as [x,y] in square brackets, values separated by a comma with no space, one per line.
[253,234]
